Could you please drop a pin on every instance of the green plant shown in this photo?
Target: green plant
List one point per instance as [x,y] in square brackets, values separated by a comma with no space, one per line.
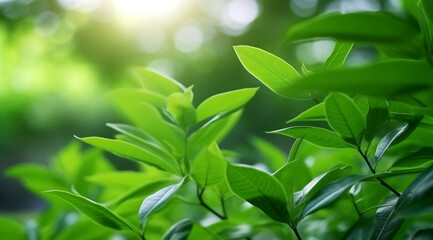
[360,166]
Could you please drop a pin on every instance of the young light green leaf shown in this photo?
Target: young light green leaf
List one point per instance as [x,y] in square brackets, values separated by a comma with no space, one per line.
[272,155]
[318,136]
[272,71]
[293,154]
[213,131]
[338,55]
[131,151]
[388,78]
[260,189]
[376,27]
[156,201]
[179,105]
[179,231]
[156,82]
[122,97]
[209,167]
[377,117]
[345,118]
[95,211]
[224,102]
[315,113]
[168,135]
[11,229]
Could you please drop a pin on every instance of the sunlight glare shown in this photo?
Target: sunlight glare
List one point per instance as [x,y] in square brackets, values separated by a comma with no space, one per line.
[146,8]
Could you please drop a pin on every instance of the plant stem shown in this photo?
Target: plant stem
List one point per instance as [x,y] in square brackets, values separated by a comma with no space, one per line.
[378,179]
[200,198]
[295,230]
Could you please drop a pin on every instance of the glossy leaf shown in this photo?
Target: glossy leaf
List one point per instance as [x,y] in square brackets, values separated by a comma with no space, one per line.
[272,71]
[377,117]
[179,231]
[317,136]
[209,167]
[387,224]
[378,27]
[345,118]
[95,211]
[224,102]
[130,151]
[260,189]
[425,153]
[388,78]
[156,82]
[338,55]
[315,113]
[156,201]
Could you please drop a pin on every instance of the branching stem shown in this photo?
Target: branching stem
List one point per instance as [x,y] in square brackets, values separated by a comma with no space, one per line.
[200,193]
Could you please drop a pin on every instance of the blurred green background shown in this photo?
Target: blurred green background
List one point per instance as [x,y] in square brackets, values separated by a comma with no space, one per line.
[59,59]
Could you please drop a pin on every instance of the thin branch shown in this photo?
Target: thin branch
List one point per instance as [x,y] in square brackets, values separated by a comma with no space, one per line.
[373,171]
[202,203]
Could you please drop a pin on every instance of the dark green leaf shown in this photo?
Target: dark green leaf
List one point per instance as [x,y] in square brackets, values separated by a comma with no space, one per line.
[317,136]
[95,211]
[377,117]
[423,234]
[179,231]
[272,71]
[377,27]
[387,224]
[224,102]
[361,230]
[260,189]
[345,118]
[392,77]
[338,55]
[156,201]
[425,153]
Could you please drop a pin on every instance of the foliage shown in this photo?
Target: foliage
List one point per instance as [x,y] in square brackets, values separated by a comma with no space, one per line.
[368,136]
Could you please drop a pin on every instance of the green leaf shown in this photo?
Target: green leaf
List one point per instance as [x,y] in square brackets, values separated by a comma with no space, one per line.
[423,234]
[213,131]
[144,140]
[131,151]
[224,102]
[315,113]
[416,199]
[156,201]
[425,153]
[387,224]
[272,155]
[338,55]
[202,233]
[425,8]
[260,189]
[95,211]
[11,229]
[388,78]
[319,183]
[362,229]
[345,118]
[123,97]
[37,177]
[376,27]
[318,136]
[395,136]
[179,231]
[158,83]
[330,193]
[272,71]
[179,105]
[209,167]
[168,135]
[377,117]
[293,176]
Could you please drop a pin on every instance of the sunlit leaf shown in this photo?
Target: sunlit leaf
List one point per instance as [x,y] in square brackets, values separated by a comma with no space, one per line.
[338,55]
[156,82]
[272,71]
[224,102]
[209,167]
[95,211]
[315,113]
[317,136]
